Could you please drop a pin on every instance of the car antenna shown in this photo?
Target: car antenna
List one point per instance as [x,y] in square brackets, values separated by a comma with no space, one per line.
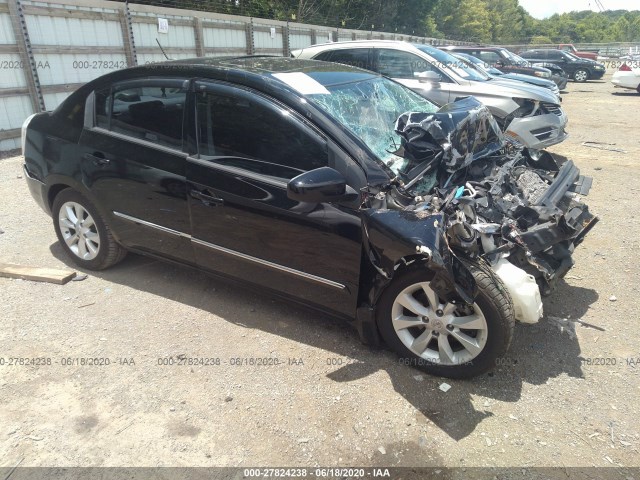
[163,52]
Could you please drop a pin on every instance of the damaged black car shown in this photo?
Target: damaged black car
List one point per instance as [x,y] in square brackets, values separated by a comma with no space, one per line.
[321,183]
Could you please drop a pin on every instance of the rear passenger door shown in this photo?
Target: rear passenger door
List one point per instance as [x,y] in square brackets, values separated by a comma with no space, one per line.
[134,163]
[403,66]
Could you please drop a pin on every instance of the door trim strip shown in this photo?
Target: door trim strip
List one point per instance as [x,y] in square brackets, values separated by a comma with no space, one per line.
[152,225]
[266,263]
[228,251]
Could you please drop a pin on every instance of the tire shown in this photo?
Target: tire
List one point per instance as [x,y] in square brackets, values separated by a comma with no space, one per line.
[83,233]
[492,314]
[581,75]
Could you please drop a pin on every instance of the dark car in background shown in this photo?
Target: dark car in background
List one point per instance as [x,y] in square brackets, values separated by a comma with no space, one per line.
[579,69]
[326,184]
[509,62]
[508,77]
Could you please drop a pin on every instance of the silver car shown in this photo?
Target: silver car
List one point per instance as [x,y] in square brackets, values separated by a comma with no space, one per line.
[528,115]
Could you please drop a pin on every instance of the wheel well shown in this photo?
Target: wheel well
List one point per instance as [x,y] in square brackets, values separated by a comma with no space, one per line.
[54,190]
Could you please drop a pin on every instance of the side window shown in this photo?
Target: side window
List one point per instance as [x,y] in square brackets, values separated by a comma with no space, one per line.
[250,133]
[324,56]
[398,64]
[153,113]
[490,58]
[356,57]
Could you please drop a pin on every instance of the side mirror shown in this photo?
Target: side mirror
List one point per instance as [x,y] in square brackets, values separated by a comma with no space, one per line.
[427,77]
[499,64]
[319,185]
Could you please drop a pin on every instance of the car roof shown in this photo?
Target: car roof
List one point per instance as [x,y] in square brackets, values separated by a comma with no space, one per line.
[252,71]
[361,43]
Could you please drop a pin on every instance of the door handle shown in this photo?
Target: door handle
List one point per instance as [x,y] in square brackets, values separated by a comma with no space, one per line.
[206,198]
[98,159]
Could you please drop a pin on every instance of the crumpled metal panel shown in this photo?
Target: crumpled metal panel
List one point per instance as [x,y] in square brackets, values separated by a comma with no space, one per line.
[464,131]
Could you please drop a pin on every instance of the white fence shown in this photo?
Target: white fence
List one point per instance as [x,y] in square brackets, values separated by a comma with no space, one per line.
[48,49]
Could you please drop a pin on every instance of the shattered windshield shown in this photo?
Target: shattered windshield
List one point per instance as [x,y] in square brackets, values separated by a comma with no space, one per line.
[369,108]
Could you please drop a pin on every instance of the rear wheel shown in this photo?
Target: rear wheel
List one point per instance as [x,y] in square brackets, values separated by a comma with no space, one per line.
[82,232]
[581,75]
[455,341]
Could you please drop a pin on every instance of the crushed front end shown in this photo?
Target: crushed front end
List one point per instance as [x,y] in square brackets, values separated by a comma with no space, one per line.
[492,201]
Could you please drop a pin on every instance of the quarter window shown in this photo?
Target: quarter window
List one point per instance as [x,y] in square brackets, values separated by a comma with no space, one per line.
[250,133]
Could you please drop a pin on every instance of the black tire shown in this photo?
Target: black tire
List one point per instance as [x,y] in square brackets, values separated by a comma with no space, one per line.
[581,75]
[108,252]
[495,305]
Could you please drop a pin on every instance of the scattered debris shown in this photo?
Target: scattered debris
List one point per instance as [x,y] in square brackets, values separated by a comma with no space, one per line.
[603,146]
[595,434]
[79,277]
[228,398]
[608,459]
[35,274]
[598,168]
[613,298]
[418,378]
[382,450]
[35,438]
[565,325]
[123,429]
[445,387]
[87,305]
[487,441]
[1,231]
[513,417]
[303,440]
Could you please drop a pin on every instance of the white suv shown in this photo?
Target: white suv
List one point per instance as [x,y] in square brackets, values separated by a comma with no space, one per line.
[530,115]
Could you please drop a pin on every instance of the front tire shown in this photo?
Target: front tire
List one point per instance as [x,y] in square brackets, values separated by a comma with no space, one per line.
[444,339]
[581,75]
[83,234]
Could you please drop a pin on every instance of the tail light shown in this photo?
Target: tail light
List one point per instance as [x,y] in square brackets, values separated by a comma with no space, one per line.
[624,68]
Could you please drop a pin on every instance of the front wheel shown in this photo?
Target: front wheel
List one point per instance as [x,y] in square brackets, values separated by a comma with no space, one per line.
[445,339]
[581,75]
[82,232]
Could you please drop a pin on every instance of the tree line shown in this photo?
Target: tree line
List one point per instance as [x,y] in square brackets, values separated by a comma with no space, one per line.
[484,21]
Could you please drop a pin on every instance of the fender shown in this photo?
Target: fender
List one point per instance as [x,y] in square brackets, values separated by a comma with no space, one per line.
[392,238]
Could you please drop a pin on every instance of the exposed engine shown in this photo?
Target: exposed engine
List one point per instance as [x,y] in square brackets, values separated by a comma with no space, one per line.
[498,201]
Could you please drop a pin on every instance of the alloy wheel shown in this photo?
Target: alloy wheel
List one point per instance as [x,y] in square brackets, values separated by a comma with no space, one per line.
[440,333]
[79,230]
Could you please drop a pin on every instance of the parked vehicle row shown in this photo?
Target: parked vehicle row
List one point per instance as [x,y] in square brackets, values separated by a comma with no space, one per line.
[508,62]
[530,115]
[327,184]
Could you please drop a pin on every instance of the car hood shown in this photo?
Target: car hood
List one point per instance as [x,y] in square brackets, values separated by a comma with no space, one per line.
[540,82]
[524,90]
[451,138]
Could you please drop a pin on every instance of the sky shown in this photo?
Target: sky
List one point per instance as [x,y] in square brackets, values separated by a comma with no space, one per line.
[546,8]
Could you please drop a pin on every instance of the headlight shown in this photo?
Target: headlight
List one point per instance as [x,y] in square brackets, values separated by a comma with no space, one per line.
[23,132]
[542,74]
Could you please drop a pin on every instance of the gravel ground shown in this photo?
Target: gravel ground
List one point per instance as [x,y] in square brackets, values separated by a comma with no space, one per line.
[566,395]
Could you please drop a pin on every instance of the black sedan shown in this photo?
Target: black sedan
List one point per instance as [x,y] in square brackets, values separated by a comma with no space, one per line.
[579,69]
[312,181]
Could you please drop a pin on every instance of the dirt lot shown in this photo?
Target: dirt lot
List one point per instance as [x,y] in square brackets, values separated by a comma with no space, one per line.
[566,394]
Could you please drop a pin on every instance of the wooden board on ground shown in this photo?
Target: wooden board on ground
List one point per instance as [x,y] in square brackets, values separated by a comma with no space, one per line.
[36,274]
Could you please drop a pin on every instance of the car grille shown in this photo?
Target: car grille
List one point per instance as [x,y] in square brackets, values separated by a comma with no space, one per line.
[552,108]
[543,133]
